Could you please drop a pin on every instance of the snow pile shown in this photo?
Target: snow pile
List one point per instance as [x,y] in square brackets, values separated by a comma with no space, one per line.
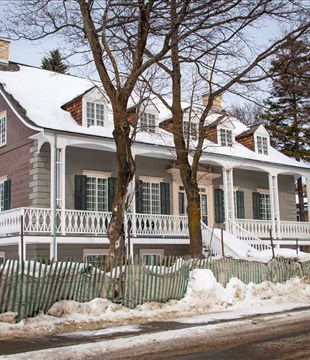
[204,296]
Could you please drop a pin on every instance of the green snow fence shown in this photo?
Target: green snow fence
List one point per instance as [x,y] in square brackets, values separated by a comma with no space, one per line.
[32,286]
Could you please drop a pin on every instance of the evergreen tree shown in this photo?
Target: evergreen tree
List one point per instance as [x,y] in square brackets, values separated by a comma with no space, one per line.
[54,62]
[288,110]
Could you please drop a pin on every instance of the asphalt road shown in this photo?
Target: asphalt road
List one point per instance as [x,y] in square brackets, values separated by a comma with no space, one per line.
[269,337]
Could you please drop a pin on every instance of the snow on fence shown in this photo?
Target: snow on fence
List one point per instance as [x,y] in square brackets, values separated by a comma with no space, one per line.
[32,286]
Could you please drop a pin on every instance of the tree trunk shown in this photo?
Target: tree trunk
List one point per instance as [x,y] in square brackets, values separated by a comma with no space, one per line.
[126,170]
[194,218]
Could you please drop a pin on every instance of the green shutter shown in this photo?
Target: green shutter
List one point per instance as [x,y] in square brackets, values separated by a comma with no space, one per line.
[80,192]
[139,198]
[111,191]
[165,198]
[240,204]
[219,205]
[256,205]
[7,195]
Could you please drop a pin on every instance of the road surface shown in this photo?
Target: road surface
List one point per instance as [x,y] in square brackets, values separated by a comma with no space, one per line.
[278,336]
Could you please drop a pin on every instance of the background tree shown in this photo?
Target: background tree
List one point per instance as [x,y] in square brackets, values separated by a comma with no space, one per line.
[288,109]
[54,62]
[248,113]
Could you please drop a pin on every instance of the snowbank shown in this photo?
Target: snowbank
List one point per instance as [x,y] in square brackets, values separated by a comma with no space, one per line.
[204,296]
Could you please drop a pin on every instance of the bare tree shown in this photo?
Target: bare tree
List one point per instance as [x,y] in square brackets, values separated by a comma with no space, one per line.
[223,36]
[125,39]
[249,113]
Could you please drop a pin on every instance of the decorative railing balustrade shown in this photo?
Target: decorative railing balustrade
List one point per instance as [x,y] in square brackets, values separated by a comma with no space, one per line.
[243,234]
[40,221]
[285,230]
[212,243]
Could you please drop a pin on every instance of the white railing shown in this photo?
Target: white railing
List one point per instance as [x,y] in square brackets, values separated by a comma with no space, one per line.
[295,230]
[259,228]
[10,222]
[37,220]
[159,225]
[246,236]
[84,222]
[286,230]
[213,243]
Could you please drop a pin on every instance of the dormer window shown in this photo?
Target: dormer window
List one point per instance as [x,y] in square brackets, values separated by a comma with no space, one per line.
[94,114]
[3,129]
[226,137]
[262,145]
[147,122]
[191,129]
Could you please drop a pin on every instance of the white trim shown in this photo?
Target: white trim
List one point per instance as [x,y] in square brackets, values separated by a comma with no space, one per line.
[17,114]
[98,174]
[151,179]
[263,191]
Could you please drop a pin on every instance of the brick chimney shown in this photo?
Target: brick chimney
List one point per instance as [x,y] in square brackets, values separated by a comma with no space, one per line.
[4,50]
[217,103]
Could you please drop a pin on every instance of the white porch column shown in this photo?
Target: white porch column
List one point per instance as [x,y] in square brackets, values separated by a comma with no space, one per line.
[53,190]
[62,194]
[274,205]
[308,197]
[228,185]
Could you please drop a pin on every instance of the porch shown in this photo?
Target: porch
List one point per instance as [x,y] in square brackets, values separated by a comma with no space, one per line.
[42,221]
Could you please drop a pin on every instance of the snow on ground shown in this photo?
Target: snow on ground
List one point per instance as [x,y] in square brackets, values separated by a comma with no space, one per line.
[206,300]
[204,296]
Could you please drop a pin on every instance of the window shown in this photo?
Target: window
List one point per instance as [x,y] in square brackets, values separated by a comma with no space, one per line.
[94,114]
[96,256]
[191,129]
[5,194]
[147,122]
[261,206]
[262,145]
[225,137]
[151,257]
[97,194]
[265,209]
[150,198]
[94,191]
[2,130]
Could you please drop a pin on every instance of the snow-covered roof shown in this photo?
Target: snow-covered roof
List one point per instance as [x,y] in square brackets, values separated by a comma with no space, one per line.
[38,96]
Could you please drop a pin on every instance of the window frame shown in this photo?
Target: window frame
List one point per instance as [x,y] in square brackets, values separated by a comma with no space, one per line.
[190,128]
[95,253]
[3,128]
[147,122]
[261,142]
[96,120]
[3,179]
[97,175]
[223,138]
[157,253]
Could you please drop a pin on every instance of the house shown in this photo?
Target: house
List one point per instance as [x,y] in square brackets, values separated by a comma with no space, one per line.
[58,169]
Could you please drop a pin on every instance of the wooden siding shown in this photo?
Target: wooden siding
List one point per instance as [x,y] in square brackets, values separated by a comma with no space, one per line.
[247,141]
[211,134]
[75,109]
[15,157]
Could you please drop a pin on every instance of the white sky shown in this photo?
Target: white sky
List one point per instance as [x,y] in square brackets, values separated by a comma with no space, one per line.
[205,298]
